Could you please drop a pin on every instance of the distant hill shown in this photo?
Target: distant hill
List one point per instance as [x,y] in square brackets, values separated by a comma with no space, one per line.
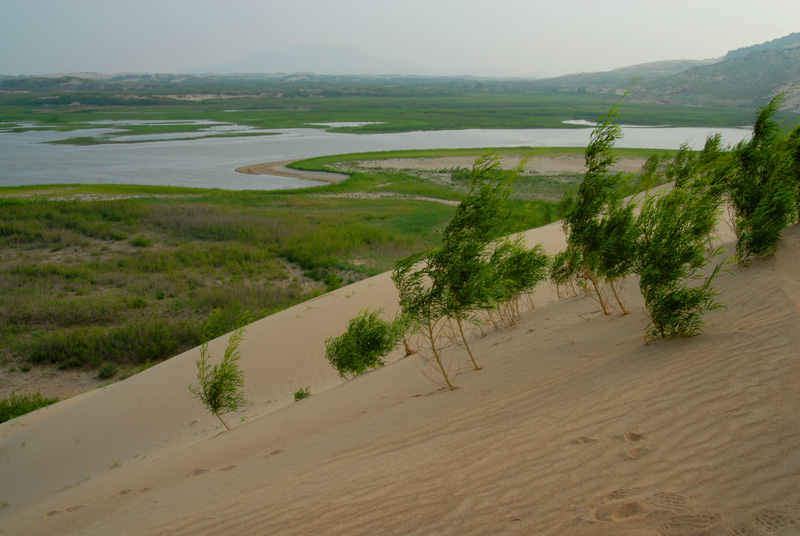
[618,79]
[745,78]
[791,40]
[749,80]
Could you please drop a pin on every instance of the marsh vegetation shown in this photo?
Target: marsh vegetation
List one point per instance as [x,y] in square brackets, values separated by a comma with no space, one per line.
[128,276]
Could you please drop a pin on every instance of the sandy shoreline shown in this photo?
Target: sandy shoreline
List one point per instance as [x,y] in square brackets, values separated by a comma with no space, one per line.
[545,165]
[279,169]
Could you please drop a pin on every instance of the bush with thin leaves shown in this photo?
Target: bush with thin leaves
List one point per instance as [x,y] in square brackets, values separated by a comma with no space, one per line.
[517,271]
[220,386]
[599,223]
[763,186]
[672,251]
[461,272]
[465,275]
[423,307]
[364,346]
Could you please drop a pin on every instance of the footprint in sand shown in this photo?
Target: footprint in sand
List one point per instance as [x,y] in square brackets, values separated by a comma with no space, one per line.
[773,520]
[618,505]
[632,437]
[227,468]
[619,512]
[621,494]
[688,523]
[635,454]
[666,512]
[743,530]
[198,472]
[667,500]
[275,452]
[583,440]
[52,513]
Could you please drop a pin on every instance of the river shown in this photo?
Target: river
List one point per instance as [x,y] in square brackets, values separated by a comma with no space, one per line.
[26,158]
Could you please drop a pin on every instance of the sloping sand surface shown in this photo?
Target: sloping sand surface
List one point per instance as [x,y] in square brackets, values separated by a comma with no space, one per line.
[573,426]
[279,169]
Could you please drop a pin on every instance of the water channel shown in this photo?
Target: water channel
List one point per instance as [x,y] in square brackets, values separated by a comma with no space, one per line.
[26,158]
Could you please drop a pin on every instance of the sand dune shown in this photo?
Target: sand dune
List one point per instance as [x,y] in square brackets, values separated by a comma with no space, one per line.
[574,426]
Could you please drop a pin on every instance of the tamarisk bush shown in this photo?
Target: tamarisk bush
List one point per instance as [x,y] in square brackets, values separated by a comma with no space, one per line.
[364,345]
[672,250]
[763,186]
[599,224]
[472,271]
[220,386]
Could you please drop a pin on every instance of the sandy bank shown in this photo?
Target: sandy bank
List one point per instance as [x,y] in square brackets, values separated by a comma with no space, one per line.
[279,169]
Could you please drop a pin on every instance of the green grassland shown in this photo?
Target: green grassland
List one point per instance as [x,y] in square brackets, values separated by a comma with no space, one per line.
[94,274]
[133,274]
[389,106]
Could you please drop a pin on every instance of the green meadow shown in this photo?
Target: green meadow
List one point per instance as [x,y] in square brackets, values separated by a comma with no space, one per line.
[439,109]
[131,275]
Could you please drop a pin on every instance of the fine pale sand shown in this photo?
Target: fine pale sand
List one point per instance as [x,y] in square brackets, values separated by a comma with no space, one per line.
[546,165]
[279,169]
[573,426]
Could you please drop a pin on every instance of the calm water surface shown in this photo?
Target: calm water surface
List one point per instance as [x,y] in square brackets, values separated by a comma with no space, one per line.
[26,159]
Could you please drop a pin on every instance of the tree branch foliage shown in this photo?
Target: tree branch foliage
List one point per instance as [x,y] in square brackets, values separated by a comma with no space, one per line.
[220,386]
[763,185]
[473,271]
[364,345]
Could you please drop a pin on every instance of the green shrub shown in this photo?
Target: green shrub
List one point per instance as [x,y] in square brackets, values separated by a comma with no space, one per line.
[141,242]
[225,320]
[220,386]
[762,186]
[672,251]
[363,346]
[146,340]
[15,405]
[460,174]
[303,392]
[107,371]
[599,223]
[137,303]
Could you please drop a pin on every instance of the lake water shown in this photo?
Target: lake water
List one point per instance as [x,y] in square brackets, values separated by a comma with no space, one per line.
[26,159]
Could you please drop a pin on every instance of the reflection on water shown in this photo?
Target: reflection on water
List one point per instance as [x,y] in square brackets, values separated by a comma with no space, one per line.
[25,158]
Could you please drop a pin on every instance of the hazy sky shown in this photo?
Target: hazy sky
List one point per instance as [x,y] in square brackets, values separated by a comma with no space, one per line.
[498,37]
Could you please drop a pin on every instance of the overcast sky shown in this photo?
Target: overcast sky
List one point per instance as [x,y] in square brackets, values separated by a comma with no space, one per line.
[484,37]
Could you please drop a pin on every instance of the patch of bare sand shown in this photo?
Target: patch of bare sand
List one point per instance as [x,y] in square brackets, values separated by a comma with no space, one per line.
[545,165]
[279,169]
[573,427]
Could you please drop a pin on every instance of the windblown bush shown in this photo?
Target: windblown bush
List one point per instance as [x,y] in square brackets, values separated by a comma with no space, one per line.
[763,186]
[517,271]
[472,271]
[461,272]
[599,224]
[364,346]
[220,386]
[672,251]
[423,306]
